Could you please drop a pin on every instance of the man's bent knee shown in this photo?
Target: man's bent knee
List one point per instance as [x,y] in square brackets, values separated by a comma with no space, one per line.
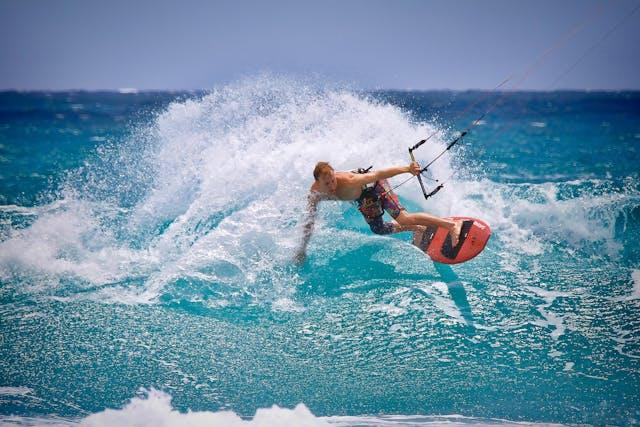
[405,219]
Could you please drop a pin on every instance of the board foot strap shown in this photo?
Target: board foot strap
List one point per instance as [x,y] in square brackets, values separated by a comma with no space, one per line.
[447,247]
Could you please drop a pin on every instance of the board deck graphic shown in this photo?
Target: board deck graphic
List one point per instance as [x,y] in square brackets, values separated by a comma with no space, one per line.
[436,241]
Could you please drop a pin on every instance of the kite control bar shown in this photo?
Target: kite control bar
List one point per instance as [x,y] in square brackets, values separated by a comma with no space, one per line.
[424,169]
[413,159]
[418,144]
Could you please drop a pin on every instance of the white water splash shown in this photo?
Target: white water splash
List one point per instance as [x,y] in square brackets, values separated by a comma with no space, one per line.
[212,191]
[155,409]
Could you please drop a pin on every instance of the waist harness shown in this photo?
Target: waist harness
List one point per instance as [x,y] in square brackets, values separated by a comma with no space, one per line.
[370,200]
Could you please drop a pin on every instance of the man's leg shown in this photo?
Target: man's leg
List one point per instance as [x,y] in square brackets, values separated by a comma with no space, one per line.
[406,219]
[379,226]
[398,228]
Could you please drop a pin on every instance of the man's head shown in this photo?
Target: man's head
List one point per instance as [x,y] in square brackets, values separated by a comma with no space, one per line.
[325,177]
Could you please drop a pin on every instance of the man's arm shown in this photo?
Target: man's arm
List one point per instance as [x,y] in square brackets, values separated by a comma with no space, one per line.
[310,219]
[373,176]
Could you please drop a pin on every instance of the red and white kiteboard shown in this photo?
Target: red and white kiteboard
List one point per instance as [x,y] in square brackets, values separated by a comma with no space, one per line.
[436,242]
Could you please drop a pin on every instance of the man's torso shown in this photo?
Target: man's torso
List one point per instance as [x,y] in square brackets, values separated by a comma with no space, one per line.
[345,190]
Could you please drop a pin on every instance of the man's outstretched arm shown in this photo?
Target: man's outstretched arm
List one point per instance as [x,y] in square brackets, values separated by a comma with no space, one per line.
[307,228]
[373,176]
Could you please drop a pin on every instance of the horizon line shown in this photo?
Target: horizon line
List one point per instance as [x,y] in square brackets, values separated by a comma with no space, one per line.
[134,91]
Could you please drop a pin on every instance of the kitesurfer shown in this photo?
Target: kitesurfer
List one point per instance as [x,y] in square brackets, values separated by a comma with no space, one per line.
[371,191]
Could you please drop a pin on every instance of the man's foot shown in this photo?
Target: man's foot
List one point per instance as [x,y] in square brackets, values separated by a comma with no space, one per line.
[455,233]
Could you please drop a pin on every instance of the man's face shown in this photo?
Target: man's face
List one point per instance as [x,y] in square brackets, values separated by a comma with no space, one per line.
[327,181]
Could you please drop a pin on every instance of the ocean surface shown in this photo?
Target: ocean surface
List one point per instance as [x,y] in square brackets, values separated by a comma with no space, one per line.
[146,241]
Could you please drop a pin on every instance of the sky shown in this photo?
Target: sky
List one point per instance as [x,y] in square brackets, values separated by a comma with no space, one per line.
[401,44]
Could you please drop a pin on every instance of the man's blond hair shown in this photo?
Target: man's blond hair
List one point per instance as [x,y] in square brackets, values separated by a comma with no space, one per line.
[321,167]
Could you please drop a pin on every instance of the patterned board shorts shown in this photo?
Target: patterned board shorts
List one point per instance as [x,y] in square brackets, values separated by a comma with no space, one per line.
[374,201]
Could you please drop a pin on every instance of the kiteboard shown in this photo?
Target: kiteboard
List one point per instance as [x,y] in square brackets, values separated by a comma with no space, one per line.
[436,242]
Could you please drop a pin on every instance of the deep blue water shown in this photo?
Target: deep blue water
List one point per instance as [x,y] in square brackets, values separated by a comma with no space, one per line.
[146,243]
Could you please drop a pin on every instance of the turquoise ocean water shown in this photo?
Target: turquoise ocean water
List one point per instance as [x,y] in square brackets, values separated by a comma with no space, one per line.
[146,239]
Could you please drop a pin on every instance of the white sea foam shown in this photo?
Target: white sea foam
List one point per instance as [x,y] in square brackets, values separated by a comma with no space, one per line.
[67,240]
[388,309]
[635,288]
[15,209]
[15,391]
[550,318]
[155,410]
[635,293]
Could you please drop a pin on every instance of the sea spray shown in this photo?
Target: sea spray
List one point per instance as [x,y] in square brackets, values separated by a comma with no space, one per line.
[162,259]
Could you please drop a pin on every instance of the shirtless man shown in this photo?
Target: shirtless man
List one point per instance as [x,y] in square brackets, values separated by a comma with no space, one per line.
[374,196]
